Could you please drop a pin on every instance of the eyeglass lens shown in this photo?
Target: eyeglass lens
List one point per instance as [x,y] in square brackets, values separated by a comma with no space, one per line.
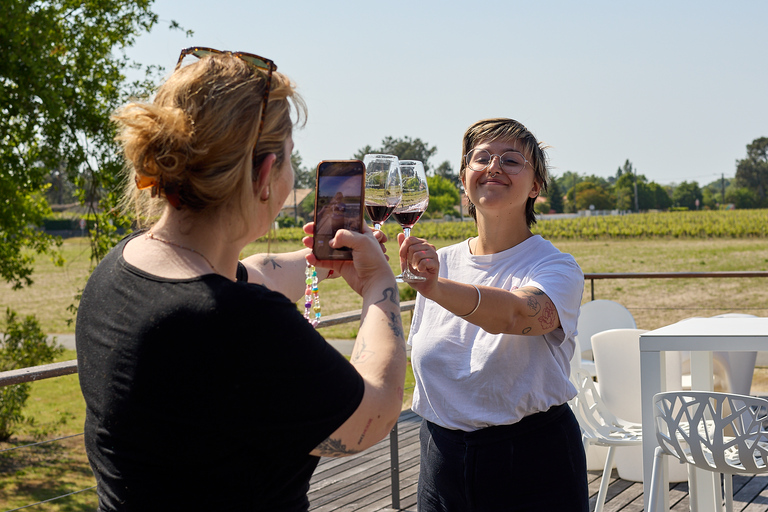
[511,162]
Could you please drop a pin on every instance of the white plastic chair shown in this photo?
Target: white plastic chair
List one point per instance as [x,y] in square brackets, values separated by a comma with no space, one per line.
[599,427]
[617,358]
[596,316]
[719,432]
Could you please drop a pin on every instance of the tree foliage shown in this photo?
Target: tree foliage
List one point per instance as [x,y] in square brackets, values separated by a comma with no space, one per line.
[752,171]
[555,196]
[62,75]
[687,194]
[22,345]
[404,149]
[590,195]
[303,177]
[443,196]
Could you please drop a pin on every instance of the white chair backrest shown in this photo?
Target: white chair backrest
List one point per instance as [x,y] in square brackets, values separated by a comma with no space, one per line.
[617,359]
[601,315]
[595,419]
[720,432]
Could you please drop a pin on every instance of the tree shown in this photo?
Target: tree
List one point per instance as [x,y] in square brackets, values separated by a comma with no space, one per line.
[61,78]
[443,196]
[555,196]
[568,182]
[752,172]
[404,149]
[303,177]
[445,170]
[589,194]
[23,344]
[687,194]
[659,197]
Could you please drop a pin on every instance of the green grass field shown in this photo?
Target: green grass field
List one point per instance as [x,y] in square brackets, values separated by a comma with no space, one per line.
[30,475]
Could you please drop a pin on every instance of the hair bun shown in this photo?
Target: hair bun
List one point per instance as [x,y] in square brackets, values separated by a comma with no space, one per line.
[157,140]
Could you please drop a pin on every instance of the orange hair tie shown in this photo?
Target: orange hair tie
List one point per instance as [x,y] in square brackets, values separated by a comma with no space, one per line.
[144,182]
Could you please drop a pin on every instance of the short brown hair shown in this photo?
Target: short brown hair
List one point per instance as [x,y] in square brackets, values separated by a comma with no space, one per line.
[501,128]
[197,136]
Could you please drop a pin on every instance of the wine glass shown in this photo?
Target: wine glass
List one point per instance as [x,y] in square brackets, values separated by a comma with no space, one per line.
[383,187]
[412,205]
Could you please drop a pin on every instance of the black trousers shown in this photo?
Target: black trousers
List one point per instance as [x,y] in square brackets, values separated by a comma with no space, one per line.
[537,464]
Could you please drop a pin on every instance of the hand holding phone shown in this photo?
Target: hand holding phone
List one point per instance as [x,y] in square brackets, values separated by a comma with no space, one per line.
[339,200]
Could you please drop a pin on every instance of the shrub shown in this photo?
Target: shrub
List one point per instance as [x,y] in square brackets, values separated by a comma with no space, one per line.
[24,344]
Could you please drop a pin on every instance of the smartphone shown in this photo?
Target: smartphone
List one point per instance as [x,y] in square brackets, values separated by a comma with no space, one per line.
[339,200]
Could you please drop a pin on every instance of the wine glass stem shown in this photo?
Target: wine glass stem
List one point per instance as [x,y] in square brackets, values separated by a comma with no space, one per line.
[407,232]
[377,226]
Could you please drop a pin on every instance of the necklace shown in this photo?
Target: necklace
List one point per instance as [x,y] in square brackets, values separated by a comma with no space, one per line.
[151,236]
[311,296]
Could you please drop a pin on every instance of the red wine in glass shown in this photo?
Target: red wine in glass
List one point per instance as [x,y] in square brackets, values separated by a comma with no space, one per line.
[408,219]
[378,214]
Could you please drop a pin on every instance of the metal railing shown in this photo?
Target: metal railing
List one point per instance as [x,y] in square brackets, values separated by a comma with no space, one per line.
[591,277]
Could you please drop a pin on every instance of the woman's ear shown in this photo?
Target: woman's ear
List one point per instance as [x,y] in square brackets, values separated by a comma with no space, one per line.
[536,189]
[264,178]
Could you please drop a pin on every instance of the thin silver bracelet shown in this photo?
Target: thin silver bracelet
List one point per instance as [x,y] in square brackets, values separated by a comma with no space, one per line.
[479,298]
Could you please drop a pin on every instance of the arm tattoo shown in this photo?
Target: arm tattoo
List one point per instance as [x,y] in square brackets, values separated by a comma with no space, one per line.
[273,261]
[533,305]
[365,430]
[361,354]
[395,324]
[548,317]
[391,295]
[533,301]
[334,447]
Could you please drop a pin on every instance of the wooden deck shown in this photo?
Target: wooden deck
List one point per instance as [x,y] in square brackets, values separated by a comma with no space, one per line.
[362,482]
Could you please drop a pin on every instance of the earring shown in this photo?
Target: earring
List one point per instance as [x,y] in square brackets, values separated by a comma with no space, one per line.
[265,195]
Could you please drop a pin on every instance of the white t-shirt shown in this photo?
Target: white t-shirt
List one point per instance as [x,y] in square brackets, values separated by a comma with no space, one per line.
[467,378]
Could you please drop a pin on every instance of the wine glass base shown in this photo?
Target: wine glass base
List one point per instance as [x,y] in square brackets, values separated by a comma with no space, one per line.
[404,278]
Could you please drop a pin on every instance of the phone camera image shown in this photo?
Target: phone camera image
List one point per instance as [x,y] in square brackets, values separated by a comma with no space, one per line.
[339,199]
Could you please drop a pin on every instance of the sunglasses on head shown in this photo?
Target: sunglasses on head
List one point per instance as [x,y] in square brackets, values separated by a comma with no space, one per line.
[249,58]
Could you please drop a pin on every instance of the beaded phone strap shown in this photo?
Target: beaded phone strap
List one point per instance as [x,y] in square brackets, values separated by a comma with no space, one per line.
[311,296]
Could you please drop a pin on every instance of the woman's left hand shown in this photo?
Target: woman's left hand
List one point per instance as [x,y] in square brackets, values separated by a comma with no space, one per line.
[421,256]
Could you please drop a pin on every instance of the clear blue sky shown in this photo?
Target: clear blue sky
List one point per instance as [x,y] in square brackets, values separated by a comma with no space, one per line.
[677,87]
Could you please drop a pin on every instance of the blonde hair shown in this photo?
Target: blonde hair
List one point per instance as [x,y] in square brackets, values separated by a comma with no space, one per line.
[488,130]
[194,142]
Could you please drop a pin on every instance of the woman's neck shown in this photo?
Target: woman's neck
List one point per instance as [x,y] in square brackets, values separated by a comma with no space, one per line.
[498,234]
[206,235]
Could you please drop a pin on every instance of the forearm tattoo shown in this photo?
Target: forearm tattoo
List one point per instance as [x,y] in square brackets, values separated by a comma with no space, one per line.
[334,447]
[395,323]
[391,295]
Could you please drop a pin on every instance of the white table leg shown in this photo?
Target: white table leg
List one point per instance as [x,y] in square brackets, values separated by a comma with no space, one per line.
[652,381]
[708,490]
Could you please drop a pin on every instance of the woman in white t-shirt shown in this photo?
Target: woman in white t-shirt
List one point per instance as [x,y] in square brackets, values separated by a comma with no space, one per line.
[492,336]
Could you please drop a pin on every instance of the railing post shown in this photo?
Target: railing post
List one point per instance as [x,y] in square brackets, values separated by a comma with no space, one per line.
[593,288]
[394,458]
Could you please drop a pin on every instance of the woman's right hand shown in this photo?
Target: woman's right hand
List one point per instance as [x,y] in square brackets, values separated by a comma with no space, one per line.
[368,265]
[421,256]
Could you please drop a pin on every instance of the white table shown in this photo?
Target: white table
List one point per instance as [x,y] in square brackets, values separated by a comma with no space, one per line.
[701,336]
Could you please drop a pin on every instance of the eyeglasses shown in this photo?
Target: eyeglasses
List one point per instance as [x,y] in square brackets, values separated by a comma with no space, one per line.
[511,162]
[254,60]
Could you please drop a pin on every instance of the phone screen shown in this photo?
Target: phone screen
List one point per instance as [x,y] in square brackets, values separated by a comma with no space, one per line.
[338,205]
